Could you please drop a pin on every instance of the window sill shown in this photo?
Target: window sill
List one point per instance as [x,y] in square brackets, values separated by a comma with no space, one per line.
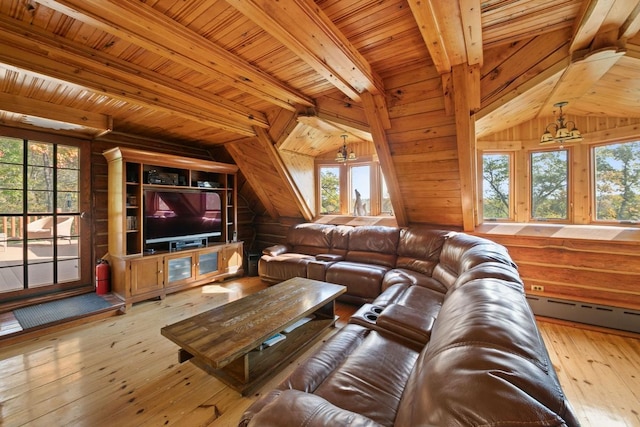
[356,220]
[557,231]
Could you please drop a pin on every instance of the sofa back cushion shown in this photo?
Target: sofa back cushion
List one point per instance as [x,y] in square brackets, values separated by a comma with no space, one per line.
[419,249]
[461,252]
[310,238]
[371,244]
[485,364]
[340,239]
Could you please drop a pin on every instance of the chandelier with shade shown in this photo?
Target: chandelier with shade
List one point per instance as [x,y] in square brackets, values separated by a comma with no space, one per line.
[562,131]
[343,154]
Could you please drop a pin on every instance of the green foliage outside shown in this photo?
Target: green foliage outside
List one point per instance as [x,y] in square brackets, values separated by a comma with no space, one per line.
[549,185]
[330,190]
[495,190]
[39,189]
[618,182]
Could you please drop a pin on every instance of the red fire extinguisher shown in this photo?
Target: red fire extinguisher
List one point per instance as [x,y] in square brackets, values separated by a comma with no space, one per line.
[102,277]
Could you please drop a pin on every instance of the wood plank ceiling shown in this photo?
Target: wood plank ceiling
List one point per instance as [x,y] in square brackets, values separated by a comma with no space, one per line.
[257,76]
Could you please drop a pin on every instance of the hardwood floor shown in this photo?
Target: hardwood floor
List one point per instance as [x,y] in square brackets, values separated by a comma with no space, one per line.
[121,371]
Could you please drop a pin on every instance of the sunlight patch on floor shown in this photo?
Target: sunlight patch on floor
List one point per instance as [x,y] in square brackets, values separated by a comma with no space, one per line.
[216,289]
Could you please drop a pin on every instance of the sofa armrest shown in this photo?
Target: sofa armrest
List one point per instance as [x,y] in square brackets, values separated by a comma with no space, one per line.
[275,250]
[329,257]
[296,408]
[406,322]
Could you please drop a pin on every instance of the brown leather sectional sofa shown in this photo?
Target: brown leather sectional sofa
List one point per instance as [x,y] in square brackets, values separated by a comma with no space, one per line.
[445,336]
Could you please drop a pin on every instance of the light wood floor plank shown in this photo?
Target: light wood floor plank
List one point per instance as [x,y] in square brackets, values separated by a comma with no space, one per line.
[121,372]
[599,373]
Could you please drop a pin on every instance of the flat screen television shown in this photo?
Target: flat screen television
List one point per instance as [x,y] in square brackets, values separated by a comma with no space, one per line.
[180,215]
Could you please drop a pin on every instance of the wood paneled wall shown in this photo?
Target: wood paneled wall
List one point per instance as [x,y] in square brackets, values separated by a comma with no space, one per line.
[422,141]
[602,271]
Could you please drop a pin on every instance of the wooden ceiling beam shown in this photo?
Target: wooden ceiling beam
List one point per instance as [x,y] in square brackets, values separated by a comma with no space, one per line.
[588,24]
[383,151]
[622,17]
[97,124]
[143,26]
[281,168]
[631,25]
[451,30]
[159,87]
[313,37]
[252,175]
[463,83]
[42,66]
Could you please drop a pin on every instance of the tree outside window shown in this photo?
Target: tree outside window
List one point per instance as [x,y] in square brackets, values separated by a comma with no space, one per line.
[39,215]
[617,182]
[338,183]
[330,190]
[550,185]
[496,186]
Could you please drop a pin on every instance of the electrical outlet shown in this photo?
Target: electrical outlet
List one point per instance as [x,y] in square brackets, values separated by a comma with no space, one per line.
[538,288]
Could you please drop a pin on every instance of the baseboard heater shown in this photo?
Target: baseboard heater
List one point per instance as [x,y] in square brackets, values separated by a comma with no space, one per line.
[591,314]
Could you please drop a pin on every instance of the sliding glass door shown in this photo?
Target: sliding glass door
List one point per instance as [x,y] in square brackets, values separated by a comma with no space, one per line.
[43,244]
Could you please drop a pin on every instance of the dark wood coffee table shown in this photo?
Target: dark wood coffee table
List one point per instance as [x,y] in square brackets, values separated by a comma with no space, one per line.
[225,341]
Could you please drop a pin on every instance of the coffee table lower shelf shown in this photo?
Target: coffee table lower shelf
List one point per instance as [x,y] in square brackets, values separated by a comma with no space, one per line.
[247,373]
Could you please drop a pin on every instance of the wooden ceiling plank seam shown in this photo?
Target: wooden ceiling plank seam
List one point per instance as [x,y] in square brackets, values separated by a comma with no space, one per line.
[146,27]
[521,22]
[304,28]
[290,184]
[529,59]
[127,72]
[500,106]
[517,38]
[384,155]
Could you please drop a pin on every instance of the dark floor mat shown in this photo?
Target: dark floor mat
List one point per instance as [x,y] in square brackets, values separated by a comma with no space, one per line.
[54,311]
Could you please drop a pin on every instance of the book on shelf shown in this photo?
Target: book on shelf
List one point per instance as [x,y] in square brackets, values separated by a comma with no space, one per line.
[274,339]
[298,324]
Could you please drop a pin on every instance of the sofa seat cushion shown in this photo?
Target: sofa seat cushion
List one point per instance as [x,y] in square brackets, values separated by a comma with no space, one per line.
[425,300]
[410,277]
[362,280]
[371,380]
[315,370]
[293,408]
[284,266]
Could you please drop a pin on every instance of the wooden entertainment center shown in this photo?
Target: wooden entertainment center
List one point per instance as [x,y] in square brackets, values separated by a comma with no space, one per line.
[144,267]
